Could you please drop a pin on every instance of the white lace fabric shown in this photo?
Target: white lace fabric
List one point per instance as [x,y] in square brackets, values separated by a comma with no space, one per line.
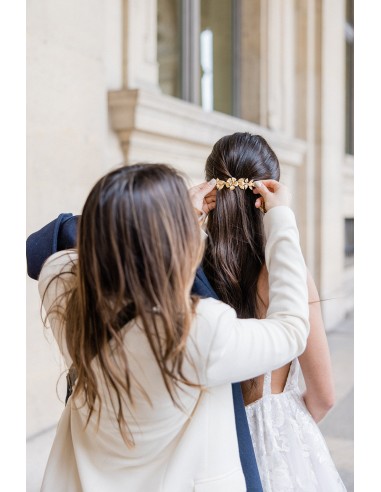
[291,453]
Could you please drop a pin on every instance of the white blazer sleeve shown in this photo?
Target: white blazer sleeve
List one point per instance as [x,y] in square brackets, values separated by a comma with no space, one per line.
[245,348]
[55,276]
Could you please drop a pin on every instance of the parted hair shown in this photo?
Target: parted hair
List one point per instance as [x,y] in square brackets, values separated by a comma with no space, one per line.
[235,252]
[138,248]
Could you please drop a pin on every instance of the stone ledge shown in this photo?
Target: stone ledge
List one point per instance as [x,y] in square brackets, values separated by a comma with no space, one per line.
[149,119]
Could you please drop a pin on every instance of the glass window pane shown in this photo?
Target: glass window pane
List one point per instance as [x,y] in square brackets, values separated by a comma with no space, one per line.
[169,46]
[216,55]
[249,65]
[349,93]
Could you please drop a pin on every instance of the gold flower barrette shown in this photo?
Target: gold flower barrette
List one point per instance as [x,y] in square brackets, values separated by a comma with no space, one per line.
[233,183]
[243,183]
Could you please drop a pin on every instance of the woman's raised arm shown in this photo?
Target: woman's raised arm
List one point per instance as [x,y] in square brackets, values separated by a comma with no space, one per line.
[245,348]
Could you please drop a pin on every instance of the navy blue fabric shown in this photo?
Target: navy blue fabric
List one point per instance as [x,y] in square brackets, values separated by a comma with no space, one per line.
[203,288]
[61,234]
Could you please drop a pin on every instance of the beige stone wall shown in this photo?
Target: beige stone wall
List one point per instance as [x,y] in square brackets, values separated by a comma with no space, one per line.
[73,59]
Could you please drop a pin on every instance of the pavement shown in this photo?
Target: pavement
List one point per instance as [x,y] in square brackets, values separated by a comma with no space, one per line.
[337,426]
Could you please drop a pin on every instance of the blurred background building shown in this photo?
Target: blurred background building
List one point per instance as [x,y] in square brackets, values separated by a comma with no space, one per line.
[112,81]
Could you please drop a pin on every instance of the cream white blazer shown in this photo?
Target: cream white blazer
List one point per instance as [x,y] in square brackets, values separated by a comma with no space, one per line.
[196,448]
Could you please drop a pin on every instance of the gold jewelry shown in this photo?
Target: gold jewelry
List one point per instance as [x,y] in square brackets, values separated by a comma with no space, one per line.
[233,183]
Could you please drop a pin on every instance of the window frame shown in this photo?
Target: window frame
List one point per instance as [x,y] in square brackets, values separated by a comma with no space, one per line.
[190,14]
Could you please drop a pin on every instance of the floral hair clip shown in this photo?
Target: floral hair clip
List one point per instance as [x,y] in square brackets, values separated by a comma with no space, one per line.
[232,183]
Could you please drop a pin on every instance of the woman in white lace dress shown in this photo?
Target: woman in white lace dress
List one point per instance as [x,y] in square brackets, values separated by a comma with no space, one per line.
[291,453]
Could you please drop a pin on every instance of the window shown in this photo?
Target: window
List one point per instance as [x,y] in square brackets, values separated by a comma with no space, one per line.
[349,114]
[216,53]
[198,52]
[349,240]
[168,46]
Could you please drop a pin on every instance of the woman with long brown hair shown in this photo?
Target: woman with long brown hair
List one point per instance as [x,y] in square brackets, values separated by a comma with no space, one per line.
[289,447]
[152,399]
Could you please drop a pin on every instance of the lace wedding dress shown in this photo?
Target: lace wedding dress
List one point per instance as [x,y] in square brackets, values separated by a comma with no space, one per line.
[291,453]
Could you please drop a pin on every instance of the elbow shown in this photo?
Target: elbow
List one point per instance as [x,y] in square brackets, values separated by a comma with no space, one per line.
[319,408]
[320,412]
[328,403]
[324,408]
[327,398]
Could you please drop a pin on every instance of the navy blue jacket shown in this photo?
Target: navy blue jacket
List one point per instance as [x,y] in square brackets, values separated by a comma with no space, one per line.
[61,234]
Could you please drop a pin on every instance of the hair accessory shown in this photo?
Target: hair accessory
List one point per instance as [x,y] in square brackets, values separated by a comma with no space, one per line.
[232,184]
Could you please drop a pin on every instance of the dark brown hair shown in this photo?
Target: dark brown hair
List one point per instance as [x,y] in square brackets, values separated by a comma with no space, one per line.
[138,248]
[235,251]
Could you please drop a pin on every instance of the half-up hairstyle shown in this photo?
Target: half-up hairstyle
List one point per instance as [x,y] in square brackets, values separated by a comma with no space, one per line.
[235,251]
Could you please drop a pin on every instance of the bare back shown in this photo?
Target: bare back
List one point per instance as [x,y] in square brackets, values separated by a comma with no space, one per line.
[252,389]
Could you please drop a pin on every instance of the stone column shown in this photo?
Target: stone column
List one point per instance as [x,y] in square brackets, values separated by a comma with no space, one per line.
[287,44]
[278,22]
[274,64]
[140,68]
[332,155]
[306,103]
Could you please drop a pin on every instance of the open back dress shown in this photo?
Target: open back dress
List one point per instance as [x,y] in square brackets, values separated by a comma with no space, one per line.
[291,452]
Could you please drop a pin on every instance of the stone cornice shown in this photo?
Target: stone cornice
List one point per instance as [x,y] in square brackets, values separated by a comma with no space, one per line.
[146,112]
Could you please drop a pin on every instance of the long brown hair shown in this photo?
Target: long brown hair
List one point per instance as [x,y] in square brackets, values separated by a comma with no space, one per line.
[235,251]
[138,248]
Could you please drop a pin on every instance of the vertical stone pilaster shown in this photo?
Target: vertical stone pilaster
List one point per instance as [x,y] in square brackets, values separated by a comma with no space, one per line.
[307,97]
[140,68]
[274,68]
[302,52]
[313,133]
[288,67]
[332,155]
[264,74]
[281,66]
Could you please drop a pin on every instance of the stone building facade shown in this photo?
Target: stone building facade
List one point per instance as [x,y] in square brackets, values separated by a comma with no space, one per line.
[112,81]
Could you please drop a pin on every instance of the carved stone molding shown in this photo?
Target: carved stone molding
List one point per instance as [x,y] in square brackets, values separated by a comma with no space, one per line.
[155,127]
